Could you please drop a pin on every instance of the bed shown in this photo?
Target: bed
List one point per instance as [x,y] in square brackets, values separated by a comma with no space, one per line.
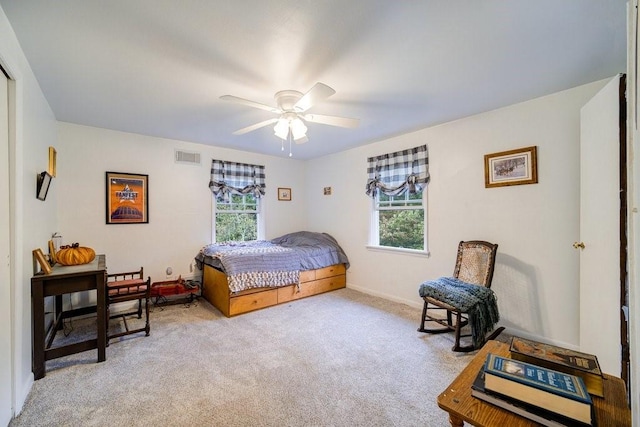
[239,277]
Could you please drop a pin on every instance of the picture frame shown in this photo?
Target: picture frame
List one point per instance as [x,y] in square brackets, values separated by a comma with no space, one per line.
[127,198]
[53,154]
[513,167]
[52,252]
[43,182]
[284,194]
[39,258]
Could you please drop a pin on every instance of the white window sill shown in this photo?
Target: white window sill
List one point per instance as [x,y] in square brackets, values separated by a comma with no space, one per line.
[413,252]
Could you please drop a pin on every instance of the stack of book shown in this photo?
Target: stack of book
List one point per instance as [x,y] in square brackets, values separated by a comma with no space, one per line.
[572,362]
[546,396]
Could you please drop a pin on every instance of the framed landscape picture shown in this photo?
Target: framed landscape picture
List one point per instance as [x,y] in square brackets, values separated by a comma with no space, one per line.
[514,167]
[127,198]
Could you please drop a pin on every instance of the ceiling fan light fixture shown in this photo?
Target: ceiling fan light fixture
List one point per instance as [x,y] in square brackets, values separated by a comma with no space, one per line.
[281,129]
[290,124]
[298,129]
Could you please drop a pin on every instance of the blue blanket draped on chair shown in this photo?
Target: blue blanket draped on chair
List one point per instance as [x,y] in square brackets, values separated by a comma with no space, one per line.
[478,302]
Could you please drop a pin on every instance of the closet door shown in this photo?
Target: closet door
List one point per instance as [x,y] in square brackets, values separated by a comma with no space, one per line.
[600,283]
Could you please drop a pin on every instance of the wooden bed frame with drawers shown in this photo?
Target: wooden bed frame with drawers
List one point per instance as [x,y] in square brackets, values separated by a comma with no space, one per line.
[215,289]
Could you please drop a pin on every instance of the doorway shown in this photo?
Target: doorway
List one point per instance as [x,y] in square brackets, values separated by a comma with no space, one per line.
[603,229]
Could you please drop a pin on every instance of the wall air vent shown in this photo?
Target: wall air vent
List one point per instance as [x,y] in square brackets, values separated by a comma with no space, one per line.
[187,157]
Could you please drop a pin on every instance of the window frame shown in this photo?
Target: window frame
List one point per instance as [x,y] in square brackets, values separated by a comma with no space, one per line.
[374,227]
[260,220]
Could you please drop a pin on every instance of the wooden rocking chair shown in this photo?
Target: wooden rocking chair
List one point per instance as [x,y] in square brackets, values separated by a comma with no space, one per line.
[475,262]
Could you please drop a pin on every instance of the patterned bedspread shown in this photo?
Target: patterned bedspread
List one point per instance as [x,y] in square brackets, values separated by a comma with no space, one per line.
[272,263]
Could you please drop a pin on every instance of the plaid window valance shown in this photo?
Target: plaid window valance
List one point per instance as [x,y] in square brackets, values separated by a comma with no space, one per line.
[394,173]
[238,178]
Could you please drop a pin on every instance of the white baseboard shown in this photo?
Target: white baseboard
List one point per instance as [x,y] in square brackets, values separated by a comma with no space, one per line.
[509,329]
[410,303]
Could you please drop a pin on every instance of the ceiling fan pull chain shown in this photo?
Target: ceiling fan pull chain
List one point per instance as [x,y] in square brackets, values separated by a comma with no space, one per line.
[290,155]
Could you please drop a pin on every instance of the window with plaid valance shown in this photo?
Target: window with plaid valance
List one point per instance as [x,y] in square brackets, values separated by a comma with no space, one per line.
[236,178]
[394,173]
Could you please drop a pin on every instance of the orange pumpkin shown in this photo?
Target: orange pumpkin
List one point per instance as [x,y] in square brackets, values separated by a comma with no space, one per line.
[75,255]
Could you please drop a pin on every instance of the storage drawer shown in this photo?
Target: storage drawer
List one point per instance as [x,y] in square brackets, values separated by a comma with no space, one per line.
[250,302]
[332,270]
[307,276]
[289,293]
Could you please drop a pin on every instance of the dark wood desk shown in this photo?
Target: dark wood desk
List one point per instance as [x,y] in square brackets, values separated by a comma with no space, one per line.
[65,280]
[612,410]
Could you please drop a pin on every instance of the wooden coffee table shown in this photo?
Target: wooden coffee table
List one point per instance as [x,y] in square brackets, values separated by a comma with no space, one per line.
[612,410]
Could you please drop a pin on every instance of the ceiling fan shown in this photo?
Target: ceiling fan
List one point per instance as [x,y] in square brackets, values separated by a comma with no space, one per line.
[291,110]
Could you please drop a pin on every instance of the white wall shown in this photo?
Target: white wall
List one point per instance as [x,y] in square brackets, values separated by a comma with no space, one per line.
[536,277]
[537,273]
[179,197]
[32,131]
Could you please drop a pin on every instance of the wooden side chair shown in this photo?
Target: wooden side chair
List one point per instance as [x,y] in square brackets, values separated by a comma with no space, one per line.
[129,286]
[465,296]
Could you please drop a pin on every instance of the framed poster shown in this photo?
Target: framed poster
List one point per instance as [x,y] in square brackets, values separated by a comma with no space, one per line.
[514,167]
[127,198]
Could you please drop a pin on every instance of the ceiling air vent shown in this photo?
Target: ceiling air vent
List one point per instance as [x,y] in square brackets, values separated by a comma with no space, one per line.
[187,157]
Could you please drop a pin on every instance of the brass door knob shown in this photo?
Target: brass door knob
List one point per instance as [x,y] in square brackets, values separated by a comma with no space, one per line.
[578,245]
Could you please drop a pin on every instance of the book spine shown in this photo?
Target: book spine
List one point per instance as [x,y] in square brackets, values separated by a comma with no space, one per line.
[517,408]
[593,382]
[559,383]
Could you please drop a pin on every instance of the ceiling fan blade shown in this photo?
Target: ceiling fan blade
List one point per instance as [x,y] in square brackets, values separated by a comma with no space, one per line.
[319,92]
[344,122]
[250,103]
[301,140]
[254,127]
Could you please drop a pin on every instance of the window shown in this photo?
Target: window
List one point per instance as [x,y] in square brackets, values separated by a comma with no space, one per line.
[396,183]
[399,221]
[237,189]
[237,218]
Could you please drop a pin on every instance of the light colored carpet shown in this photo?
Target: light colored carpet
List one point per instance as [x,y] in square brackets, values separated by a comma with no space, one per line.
[343,358]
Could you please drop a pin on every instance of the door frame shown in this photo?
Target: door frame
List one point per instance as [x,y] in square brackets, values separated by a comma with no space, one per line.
[625,368]
[10,100]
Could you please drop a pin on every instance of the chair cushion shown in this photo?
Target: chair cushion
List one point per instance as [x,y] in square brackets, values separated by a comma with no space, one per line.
[124,287]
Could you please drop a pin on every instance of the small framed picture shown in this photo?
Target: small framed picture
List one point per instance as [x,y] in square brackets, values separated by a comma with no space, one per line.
[52,252]
[43,182]
[52,161]
[38,257]
[327,191]
[127,198]
[513,167]
[284,193]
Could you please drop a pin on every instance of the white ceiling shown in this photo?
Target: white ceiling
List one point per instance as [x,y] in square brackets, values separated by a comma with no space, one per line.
[158,67]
